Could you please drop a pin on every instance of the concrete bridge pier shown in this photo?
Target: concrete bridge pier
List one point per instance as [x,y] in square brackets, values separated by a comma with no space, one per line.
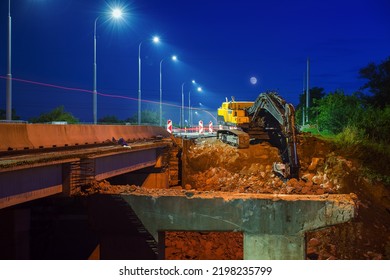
[273,226]
[274,247]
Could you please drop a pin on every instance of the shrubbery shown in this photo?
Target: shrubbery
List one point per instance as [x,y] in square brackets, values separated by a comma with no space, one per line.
[375,123]
[361,116]
[57,114]
[359,122]
[336,111]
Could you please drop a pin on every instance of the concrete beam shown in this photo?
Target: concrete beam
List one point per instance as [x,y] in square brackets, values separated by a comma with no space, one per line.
[22,185]
[273,225]
[25,182]
[111,165]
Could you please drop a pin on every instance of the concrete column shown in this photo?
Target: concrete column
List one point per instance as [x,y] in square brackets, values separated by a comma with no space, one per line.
[66,179]
[273,247]
[161,245]
[157,180]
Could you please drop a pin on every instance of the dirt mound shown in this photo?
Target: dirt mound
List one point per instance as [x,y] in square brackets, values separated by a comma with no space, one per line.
[216,166]
[210,152]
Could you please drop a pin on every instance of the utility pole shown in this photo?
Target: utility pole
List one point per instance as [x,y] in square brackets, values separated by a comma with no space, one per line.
[303,105]
[307,90]
[9,75]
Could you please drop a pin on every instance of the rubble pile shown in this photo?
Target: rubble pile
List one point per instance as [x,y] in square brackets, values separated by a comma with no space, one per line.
[215,166]
[210,152]
[203,245]
[102,187]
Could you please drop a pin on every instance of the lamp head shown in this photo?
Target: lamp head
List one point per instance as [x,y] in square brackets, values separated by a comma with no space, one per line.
[117,13]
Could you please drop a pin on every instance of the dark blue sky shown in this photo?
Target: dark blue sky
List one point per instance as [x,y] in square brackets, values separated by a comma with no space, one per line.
[220,44]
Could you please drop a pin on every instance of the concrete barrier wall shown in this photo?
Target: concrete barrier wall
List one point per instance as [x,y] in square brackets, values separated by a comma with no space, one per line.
[10,132]
[34,136]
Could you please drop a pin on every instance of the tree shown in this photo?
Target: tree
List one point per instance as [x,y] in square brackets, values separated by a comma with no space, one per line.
[3,115]
[57,114]
[336,111]
[316,93]
[147,117]
[375,123]
[109,119]
[378,83]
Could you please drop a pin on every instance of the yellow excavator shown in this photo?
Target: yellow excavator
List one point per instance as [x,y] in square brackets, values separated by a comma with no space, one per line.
[269,118]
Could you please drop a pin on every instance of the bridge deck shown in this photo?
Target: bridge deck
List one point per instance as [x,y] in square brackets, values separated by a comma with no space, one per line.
[42,160]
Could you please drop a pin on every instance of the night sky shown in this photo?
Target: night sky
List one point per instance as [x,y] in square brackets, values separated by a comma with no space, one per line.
[220,44]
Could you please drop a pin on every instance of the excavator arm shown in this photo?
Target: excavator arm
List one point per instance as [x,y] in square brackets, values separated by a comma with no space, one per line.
[278,117]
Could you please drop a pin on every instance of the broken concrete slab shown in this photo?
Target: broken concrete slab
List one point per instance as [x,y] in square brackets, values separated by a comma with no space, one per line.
[273,225]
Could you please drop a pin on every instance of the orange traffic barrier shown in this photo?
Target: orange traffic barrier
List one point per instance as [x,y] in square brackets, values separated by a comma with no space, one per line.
[34,136]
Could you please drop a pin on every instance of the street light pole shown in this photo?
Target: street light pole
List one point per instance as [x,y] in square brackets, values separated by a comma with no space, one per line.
[199,89]
[155,40]
[139,83]
[189,108]
[9,75]
[94,92]
[174,58]
[116,13]
[182,106]
[161,91]
[189,104]
[307,91]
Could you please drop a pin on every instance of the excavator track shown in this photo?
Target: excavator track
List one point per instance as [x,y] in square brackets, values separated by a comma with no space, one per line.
[234,137]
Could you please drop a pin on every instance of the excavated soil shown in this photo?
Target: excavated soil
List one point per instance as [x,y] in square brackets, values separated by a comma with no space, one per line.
[203,246]
[212,166]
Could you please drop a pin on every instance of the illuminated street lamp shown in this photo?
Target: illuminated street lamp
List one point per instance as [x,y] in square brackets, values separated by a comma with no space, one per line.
[116,13]
[199,89]
[155,40]
[182,102]
[174,58]
[182,106]
[9,75]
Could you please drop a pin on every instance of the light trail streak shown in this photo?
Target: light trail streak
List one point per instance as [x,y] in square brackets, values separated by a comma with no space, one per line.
[100,93]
